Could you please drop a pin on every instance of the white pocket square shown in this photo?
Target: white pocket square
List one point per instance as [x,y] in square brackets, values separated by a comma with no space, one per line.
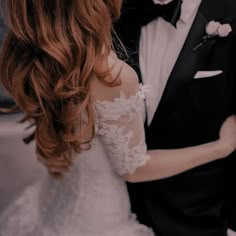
[205,74]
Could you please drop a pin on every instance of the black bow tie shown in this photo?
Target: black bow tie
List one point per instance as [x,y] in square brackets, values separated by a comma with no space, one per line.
[170,12]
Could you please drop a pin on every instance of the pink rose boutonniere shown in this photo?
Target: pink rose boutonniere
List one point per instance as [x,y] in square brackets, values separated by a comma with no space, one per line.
[214,29]
[217,29]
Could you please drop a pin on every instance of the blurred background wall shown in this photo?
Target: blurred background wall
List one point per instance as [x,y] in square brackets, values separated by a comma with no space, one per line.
[4,98]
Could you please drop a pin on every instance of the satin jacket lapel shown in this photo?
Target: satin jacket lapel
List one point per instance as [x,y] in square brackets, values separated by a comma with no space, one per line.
[188,63]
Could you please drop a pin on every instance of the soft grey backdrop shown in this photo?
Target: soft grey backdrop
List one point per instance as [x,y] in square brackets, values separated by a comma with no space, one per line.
[4,98]
[18,164]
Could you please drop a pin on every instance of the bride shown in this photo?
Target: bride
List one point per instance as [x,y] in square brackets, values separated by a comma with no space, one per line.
[88,111]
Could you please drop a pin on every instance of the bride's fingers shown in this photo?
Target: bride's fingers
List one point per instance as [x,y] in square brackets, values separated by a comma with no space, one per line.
[58,169]
[57,175]
[54,164]
[51,162]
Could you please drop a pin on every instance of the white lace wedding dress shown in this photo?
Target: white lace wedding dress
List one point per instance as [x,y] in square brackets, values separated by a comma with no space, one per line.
[92,199]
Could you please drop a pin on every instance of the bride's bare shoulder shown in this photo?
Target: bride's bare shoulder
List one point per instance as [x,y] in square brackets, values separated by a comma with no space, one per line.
[121,71]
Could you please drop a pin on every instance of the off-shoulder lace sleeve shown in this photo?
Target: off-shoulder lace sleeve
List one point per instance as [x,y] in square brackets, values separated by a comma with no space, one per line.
[121,128]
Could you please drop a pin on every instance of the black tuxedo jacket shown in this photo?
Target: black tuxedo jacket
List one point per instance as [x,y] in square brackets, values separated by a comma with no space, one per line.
[201,201]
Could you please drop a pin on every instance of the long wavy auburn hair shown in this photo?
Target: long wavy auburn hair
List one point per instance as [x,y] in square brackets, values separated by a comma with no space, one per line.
[51,53]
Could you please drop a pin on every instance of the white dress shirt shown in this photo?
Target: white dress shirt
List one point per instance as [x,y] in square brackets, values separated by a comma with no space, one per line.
[160,46]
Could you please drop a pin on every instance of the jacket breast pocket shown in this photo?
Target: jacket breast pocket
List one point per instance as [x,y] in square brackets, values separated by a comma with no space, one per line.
[209,95]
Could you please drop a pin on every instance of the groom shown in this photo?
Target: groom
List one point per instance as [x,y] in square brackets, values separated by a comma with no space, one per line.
[185,51]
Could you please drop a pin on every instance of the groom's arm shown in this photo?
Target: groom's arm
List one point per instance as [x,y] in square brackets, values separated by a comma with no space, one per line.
[231,201]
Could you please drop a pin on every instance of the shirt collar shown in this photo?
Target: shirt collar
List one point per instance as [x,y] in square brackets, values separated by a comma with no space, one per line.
[189,7]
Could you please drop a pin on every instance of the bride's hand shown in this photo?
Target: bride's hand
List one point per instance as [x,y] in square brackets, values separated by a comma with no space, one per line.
[55,169]
[227,138]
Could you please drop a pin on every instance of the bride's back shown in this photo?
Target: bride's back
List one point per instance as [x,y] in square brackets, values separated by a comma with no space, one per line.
[127,81]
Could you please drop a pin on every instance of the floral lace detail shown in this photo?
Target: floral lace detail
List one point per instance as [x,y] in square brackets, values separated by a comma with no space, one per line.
[122,105]
[121,130]
[125,159]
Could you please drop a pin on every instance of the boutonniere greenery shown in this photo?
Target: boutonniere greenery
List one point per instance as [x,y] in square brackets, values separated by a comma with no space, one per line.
[214,29]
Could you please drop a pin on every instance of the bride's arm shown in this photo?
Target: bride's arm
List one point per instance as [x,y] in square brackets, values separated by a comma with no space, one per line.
[166,163]
[129,156]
